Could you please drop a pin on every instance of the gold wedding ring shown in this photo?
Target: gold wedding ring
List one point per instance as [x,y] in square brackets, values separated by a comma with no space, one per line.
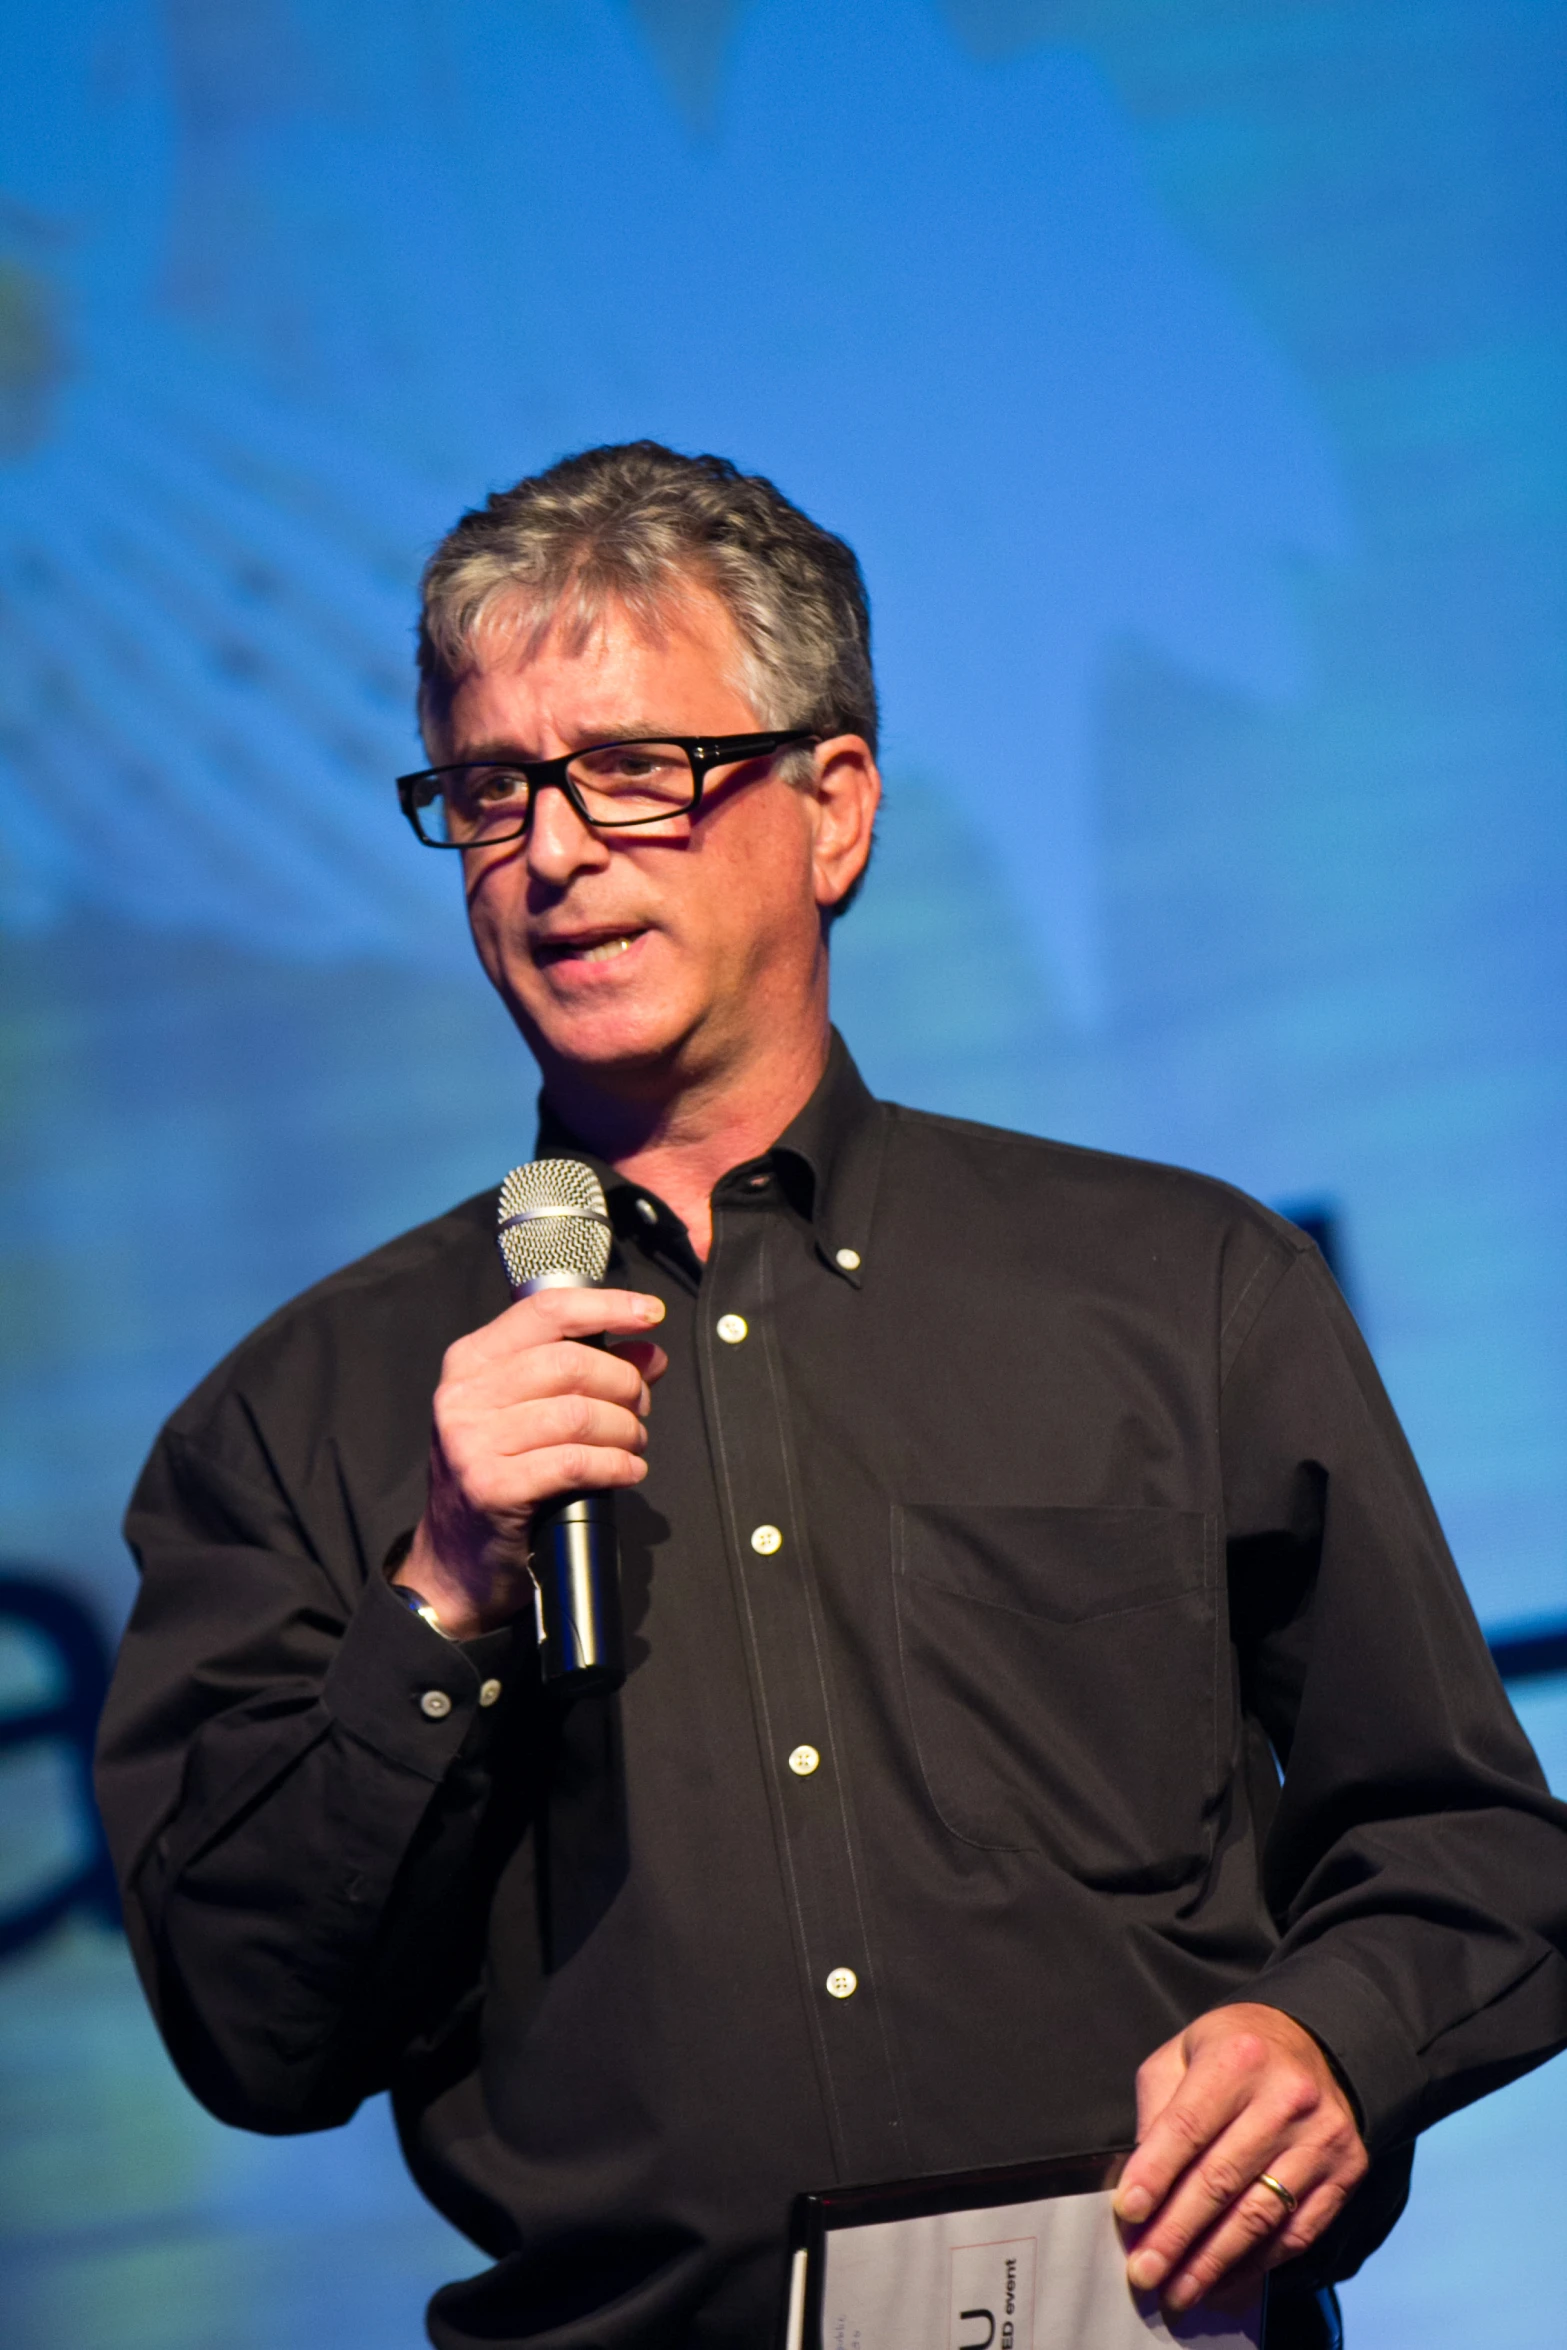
[1277,2187]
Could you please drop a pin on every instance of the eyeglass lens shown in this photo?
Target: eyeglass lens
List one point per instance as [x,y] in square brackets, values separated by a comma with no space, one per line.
[617,783]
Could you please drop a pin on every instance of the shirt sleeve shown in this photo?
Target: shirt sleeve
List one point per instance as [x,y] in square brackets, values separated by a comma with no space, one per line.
[299,1781]
[1416,1864]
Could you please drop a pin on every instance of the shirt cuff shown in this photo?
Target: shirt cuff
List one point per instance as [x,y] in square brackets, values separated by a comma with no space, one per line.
[417,1699]
[1361,2032]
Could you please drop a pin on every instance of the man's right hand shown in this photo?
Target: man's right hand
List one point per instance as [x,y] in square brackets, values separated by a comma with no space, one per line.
[526,1411]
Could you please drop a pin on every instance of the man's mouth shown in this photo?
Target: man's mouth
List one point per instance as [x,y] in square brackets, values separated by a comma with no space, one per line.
[599,947]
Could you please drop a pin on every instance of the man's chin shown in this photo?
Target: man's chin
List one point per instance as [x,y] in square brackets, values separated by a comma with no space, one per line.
[626,1038]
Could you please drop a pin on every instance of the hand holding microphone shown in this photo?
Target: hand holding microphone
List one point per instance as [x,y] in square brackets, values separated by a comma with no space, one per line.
[531,1413]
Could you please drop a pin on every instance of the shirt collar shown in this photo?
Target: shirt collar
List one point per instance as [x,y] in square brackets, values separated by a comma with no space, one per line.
[828,1158]
[835,1143]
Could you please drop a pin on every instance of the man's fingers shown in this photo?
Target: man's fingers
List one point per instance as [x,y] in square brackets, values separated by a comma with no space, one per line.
[1221,2170]
[1256,2234]
[497,1456]
[1218,2202]
[1240,2279]
[503,1490]
[1203,2100]
[645,1354]
[573,1313]
[544,1320]
[1158,2079]
[528,1428]
[578,1468]
[564,1367]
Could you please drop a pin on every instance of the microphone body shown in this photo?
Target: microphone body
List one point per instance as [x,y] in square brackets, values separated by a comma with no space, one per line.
[576,1569]
[554,1233]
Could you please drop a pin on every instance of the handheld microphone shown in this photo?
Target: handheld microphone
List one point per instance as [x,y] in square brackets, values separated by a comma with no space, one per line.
[555,1233]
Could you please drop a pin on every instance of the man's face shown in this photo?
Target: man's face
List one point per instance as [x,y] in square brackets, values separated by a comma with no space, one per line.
[631,957]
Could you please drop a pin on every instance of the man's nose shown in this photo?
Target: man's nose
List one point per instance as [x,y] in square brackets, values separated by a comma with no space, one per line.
[559,843]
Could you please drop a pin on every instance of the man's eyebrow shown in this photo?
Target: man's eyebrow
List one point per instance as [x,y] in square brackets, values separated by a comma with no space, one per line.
[497,751]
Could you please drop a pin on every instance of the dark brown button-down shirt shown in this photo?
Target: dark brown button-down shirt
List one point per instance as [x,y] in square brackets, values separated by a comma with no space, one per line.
[1051,1502]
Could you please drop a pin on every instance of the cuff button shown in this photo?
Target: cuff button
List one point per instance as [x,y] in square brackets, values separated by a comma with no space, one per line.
[489,1692]
[435,1705]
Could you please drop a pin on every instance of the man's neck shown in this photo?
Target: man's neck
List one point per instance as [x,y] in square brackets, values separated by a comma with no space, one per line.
[679,1145]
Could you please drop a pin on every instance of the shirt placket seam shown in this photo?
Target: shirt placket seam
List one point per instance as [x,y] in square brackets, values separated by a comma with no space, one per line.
[763,1722]
[822,1661]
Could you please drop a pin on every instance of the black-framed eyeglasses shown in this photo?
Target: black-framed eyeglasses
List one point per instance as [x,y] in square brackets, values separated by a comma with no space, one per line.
[478,803]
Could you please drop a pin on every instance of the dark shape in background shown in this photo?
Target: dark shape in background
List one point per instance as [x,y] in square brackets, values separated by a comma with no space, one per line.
[79,1649]
[690,39]
[1319,1220]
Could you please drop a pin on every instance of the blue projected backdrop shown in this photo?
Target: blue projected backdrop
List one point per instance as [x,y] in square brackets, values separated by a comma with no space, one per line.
[1189,380]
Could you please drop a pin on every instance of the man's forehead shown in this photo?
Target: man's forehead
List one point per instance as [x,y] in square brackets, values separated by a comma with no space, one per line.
[519,630]
[617,670]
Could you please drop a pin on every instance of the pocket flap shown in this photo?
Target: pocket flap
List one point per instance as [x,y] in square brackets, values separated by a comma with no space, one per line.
[1060,1564]
[1060,1667]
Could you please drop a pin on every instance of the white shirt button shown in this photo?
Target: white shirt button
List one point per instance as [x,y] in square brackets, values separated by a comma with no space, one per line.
[489,1692]
[732,1328]
[766,1539]
[848,1258]
[647,1211]
[435,1704]
[843,1982]
[803,1761]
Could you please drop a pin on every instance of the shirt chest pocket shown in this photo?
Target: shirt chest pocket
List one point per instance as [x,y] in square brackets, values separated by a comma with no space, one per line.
[1060,1667]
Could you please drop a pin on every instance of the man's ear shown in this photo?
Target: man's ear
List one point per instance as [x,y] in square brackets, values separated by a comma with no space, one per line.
[845,789]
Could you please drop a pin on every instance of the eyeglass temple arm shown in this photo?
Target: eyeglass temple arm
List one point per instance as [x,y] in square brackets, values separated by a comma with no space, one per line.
[726,750]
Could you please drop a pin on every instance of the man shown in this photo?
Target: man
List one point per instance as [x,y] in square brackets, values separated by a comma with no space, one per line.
[994,1515]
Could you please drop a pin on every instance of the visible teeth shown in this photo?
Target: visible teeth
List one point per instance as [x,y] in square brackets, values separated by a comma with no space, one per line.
[607,947]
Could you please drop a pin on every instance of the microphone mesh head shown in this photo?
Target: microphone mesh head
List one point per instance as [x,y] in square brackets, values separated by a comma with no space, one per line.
[553,1220]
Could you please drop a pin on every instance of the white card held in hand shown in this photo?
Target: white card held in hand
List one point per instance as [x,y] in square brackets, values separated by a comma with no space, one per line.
[1042,2269]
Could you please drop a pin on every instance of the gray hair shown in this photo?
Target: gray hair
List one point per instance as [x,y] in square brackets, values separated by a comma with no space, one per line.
[637,524]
